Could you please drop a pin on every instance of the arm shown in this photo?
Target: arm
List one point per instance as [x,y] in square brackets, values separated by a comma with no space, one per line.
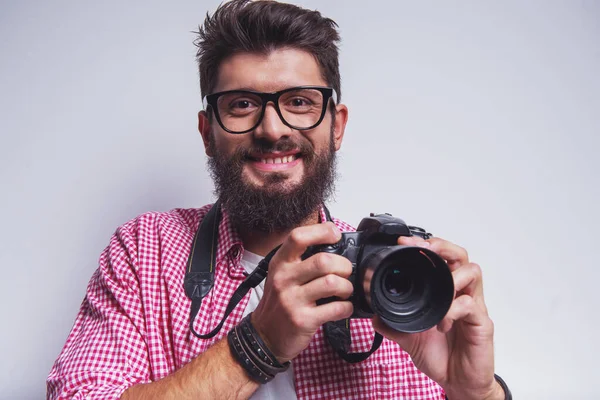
[214,374]
[106,353]
[287,316]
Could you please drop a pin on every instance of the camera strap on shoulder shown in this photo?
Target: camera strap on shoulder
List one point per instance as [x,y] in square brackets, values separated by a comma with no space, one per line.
[199,280]
[200,272]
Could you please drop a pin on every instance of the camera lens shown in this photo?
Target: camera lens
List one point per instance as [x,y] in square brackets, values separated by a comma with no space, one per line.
[397,285]
[410,288]
[400,284]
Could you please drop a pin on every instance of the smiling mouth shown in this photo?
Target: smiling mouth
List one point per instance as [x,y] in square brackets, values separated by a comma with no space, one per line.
[272,159]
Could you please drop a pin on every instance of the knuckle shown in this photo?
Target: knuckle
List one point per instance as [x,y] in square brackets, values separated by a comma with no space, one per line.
[476,271]
[467,302]
[323,261]
[330,282]
[298,319]
[436,241]
[278,282]
[296,237]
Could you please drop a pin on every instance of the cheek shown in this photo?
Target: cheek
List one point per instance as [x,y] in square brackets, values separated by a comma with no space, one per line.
[226,144]
[321,143]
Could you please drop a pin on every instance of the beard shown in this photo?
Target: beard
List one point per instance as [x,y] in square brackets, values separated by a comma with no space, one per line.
[277,206]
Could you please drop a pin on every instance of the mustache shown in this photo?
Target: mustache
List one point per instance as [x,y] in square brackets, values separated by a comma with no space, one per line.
[304,148]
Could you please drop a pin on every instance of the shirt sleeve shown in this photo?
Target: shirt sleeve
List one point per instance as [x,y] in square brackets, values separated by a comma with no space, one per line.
[105,352]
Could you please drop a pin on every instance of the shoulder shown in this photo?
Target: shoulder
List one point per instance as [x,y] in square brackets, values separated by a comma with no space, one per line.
[176,220]
[343,225]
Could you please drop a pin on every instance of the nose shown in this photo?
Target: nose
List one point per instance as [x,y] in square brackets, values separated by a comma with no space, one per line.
[271,127]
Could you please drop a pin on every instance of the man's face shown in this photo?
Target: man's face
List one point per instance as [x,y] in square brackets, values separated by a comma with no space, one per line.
[274,176]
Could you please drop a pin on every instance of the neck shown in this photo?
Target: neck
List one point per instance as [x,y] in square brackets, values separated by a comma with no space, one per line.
[262,243]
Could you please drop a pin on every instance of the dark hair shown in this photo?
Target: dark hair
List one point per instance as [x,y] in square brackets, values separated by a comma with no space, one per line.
[261,27]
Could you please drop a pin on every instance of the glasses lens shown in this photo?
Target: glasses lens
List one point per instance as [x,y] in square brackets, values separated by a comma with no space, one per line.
[301,108]
[239,111]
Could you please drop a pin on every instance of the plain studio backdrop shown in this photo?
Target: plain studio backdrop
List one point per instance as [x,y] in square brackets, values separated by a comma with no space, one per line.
[477,120]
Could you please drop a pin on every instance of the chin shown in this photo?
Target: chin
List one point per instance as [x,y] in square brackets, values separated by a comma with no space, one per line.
[277,182]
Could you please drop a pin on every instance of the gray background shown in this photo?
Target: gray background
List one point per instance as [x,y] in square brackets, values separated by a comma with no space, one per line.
[477,120]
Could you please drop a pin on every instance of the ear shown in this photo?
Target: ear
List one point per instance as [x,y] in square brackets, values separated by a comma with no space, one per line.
[339,126]
[204,129]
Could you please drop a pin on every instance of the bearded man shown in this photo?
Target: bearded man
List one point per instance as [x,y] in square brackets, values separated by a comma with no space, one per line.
[271,125]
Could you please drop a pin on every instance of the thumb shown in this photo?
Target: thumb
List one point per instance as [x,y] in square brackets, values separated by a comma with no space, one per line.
[406,340]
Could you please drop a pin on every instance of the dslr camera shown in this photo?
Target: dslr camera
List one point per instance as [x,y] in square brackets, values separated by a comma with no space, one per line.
[410,288]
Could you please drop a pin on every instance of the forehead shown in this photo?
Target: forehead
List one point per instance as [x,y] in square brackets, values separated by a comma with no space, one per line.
[279,69]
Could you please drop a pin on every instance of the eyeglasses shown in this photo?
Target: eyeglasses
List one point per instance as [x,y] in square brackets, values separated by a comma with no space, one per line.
[240,111]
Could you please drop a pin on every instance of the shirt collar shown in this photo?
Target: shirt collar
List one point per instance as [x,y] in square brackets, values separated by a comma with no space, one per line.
[230,248]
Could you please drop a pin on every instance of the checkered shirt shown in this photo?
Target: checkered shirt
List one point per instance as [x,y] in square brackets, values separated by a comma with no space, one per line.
[132,326]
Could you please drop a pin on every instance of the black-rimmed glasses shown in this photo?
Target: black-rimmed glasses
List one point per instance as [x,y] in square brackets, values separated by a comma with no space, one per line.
[240,111]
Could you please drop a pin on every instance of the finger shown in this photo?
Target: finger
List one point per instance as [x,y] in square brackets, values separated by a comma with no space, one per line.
[452,253]
[468,280]
[407,341]
[464,308]
[300,238]
[333,311]
[412,241]
[327,286]
[321,264]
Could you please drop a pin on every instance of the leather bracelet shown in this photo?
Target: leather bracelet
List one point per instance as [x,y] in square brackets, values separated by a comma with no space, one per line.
[265,367]
[259,346]
[252,353]
[237,349]
[503,385]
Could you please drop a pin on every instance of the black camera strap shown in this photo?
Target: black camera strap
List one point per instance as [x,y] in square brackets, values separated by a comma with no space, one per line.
[199,280]
[200,271]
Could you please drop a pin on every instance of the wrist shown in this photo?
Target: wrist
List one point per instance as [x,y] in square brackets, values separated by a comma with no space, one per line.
[248,348]
[497,393]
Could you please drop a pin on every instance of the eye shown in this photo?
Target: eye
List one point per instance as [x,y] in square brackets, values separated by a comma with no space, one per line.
[299,102]
[241,104]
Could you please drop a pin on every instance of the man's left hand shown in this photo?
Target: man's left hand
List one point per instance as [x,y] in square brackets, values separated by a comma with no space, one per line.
[458,354]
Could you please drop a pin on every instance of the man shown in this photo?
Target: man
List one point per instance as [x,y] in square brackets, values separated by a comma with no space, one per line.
[272,157]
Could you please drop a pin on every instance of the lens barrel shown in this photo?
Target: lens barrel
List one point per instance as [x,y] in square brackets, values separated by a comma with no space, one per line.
[410,288]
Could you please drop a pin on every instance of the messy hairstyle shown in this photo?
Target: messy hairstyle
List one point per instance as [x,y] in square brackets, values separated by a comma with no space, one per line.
[262,26]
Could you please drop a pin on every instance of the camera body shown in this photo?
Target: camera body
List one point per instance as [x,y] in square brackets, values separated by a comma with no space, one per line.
[410,288]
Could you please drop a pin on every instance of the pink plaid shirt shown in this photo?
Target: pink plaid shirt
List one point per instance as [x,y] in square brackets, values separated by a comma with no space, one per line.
[132,326]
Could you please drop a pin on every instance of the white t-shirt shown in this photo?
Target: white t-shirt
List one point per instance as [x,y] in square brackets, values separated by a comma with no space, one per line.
[282,386]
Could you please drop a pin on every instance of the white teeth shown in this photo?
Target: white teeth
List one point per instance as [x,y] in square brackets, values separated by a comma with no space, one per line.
[278,160]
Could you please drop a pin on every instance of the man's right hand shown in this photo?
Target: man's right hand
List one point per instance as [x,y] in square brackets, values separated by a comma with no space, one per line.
[288,316]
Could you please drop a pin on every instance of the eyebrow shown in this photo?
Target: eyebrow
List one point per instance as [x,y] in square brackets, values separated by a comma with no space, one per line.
[253,89]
